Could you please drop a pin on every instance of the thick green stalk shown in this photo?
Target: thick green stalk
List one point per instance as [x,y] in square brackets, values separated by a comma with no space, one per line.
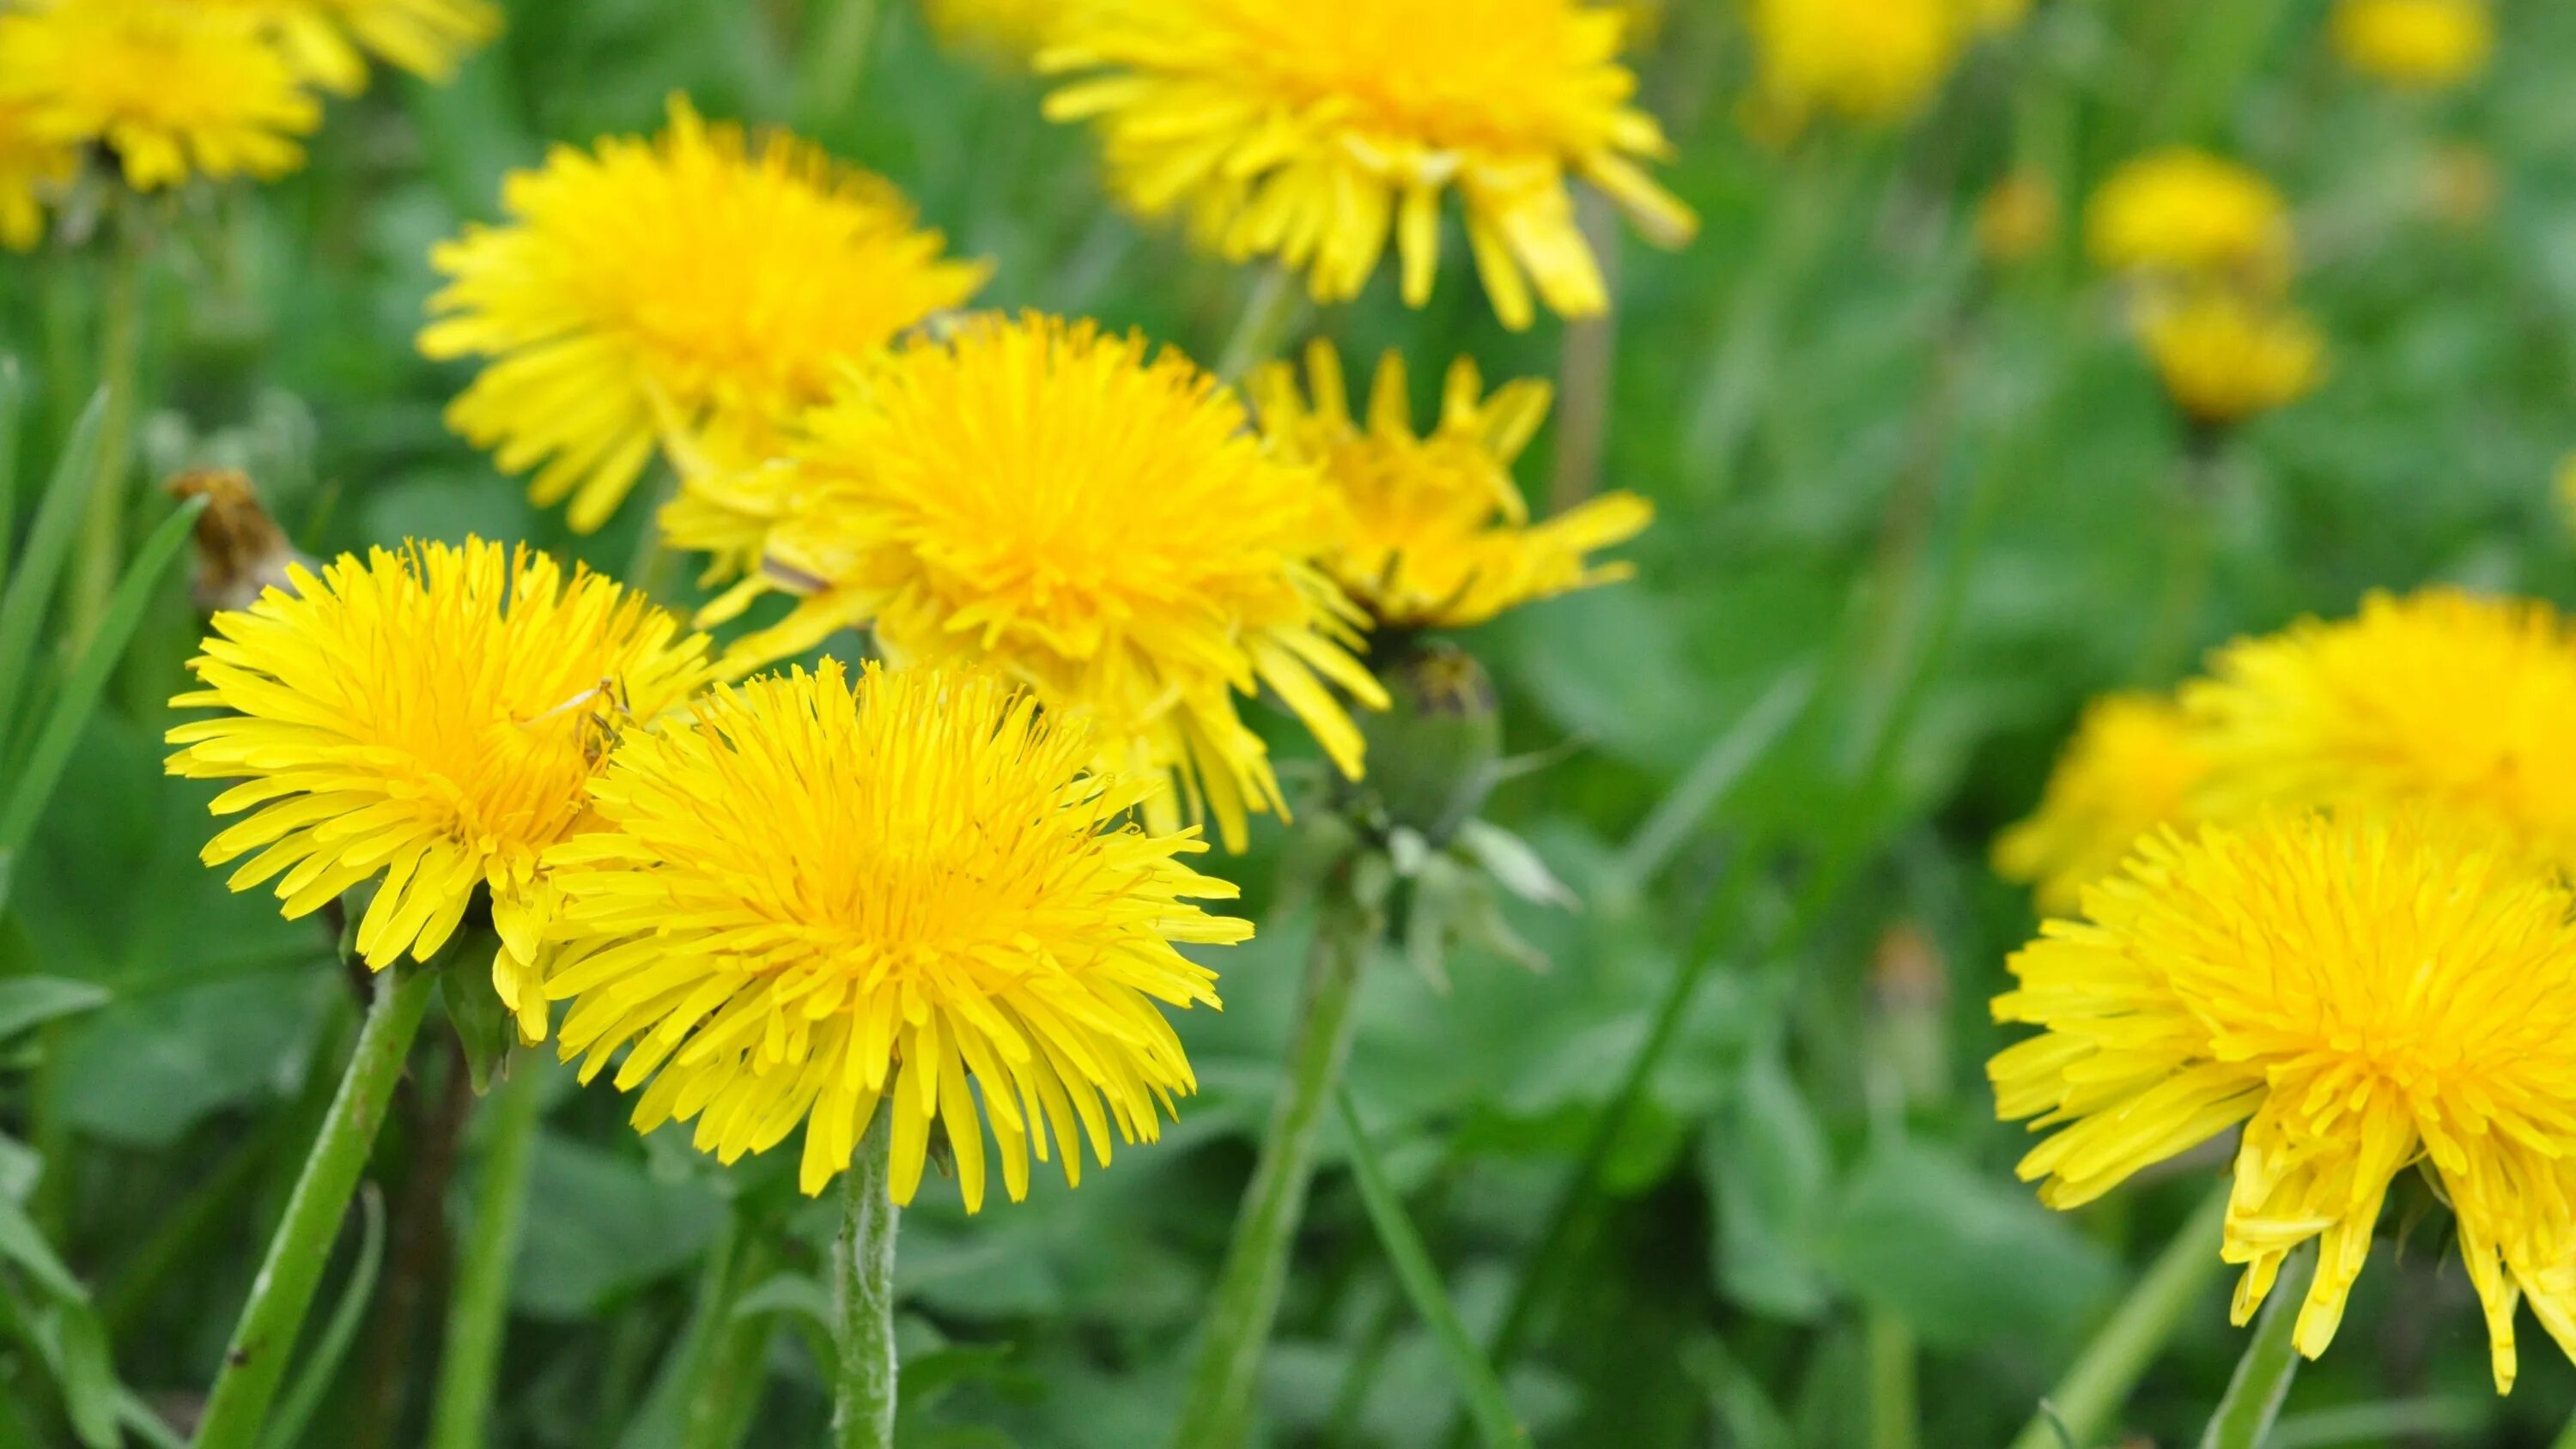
[863,1296]
[1895,1409]
[102,553]
[2108,1370]
[478,1311]
[1216,1410]
[2271,1360]
[283,1291]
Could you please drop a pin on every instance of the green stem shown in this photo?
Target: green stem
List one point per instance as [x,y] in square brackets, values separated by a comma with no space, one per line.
[2566,1437]
[2080,1408]
[283,1291]
[2271,1360]
[1271,310]
[1895,1415]
[863,1296]
[1216,1409]
[479,1310]
[842,37]
[102,555]
[2190,556]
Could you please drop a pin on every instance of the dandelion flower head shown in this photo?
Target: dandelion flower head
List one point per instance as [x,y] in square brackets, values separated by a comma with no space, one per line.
[819,902]
[2226,357]
[1433,531]
[2131,769]
[32,169]
[1317,132]
[2187,213]
[651,287]
[328,41]
[2419,44]
[429,720]
[1102,524]
[2364,995]
[1877,62]
[2440,699]
[176,88]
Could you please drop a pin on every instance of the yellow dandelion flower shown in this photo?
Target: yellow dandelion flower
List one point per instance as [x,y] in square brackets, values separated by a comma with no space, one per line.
[2225,357]
[1012,28]
[817,899]
[32,169]
[2441,699]
[2364,996]
[2419,44]
[2131,769]
[2189,213]
[175,88]
[2017,218]
[429,720]
[1878,62]
[1433,532]
[328,41]
[1316,132]
[1104,526]
[645,288]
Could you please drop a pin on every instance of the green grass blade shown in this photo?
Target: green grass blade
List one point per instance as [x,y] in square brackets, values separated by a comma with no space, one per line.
[13,401]
[49,545]
[1487,1405]
[81,688]
[295,1411]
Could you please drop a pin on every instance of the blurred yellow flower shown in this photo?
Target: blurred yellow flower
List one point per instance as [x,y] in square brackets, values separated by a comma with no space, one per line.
[1873,61]
[2131,768]
[32,169]
[2225,357]
[1104,526]
[2017,219]
[174,87]
[1433,532]
[429,720]
[2440,699]
[2424,44]
[2190,213]
[651,288]
[328,41]
[816,900]
[2365,996]
[1316,132]
[1013,28]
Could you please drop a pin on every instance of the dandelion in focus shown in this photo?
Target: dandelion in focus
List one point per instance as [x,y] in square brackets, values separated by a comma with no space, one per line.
[1103,525]
[429,720]
[2416,44]
[2017,218]
[1318,133]
[1433,531]
[2226,358]
[2365,995]
[175,88]
[646,289]
[817,902]
[33,171]
[1877,62]
[2440,699]
[2188,214]
[2131,769]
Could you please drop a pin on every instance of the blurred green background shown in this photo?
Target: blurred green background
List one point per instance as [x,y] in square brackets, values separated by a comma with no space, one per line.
[1915,508]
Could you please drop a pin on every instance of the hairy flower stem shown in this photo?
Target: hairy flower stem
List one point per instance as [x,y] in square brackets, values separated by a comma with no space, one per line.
[2081,1407]
[2253,1401]
[283,1291]
[1216,1411]
[478,1312]
[863,1295]
[120,353]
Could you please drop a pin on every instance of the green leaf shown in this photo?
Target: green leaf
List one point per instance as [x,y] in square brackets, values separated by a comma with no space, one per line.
[80,691]
[607,1228]
[27,1001]
[13,398]
[1491,1409]
[796,1293]
[1964,1259]
[40,565]
[87,1375]
[21,1243]
[1771,1172]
